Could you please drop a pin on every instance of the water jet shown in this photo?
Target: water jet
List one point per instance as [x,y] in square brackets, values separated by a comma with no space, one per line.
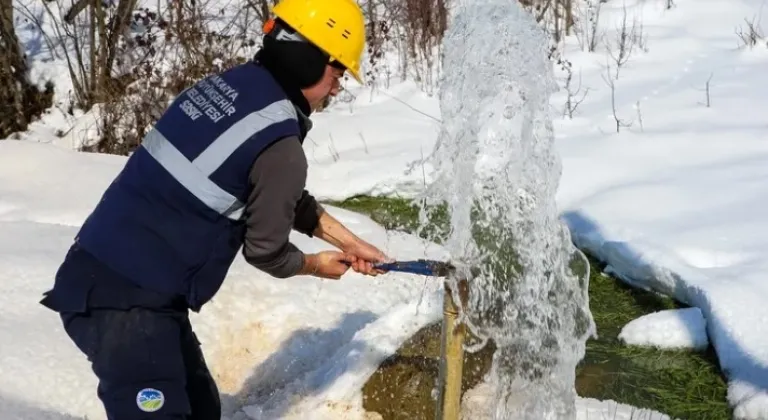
[496,169]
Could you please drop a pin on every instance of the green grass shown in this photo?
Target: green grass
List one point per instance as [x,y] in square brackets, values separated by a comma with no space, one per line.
[683,384]
[398,214]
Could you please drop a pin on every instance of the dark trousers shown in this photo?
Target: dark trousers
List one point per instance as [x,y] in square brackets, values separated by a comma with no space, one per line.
[148,362]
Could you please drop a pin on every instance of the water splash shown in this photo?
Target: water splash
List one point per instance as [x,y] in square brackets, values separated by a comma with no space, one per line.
[497,170]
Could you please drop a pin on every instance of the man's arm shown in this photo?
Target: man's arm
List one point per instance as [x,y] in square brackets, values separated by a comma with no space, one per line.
[278,203]
[307,214]
[278,177]
[334,232]
[313,220]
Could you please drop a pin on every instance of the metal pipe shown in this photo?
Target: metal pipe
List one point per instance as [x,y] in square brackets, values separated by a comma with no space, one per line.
[451,356]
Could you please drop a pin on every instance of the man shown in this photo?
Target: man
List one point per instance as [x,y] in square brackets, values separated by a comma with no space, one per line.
[222,169]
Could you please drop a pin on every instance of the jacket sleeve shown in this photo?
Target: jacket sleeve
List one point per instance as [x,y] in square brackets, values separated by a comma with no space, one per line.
[307,214]
[277,177]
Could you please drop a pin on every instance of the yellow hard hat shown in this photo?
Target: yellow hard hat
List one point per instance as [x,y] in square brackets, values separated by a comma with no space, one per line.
[335,26]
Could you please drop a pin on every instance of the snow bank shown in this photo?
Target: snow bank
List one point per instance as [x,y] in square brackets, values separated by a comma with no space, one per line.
[46,184]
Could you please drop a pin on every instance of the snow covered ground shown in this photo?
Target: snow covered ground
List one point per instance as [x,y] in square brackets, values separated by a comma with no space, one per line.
[674,202]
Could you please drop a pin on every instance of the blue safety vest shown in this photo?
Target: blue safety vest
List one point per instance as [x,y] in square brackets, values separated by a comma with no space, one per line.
[172,220]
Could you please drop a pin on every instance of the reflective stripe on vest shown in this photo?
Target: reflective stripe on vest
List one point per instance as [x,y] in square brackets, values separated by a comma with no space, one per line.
[194,175]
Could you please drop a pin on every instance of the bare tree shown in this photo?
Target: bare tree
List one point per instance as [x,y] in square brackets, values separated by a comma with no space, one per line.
[20,99]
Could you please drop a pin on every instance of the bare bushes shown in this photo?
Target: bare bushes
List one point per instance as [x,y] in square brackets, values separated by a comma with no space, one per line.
[588,31]
[413,29]
[751,34]
[173,48]
[379,38]
[426,22]
[87,35]
[127,64]
[555,16]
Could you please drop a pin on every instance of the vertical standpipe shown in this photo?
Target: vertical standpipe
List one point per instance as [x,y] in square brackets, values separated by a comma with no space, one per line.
[451,354]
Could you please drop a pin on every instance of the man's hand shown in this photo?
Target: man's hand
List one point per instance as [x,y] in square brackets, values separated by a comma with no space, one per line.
[367,255]
[327,264]
[335,233]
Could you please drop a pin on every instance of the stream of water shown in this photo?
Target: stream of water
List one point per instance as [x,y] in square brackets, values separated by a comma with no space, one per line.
[497,169]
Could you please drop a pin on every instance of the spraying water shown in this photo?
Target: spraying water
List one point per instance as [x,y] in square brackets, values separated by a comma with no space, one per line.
[497,170]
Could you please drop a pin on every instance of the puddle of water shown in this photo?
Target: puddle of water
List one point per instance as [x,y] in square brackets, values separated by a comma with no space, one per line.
[403,386]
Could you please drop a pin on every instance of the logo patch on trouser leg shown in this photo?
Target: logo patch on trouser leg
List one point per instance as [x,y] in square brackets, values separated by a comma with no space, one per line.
[138,356]
[150,400]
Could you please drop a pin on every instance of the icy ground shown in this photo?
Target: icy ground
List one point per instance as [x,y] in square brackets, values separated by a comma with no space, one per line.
[675,203]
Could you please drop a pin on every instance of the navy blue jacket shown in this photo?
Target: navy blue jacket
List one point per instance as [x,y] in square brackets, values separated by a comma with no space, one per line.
[172,220]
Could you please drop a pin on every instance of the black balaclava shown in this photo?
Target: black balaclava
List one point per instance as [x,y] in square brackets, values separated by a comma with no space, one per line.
[293,61]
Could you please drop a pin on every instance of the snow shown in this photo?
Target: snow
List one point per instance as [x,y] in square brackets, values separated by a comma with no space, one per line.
[376,132]
[669,329]
[477,401]
[675,202]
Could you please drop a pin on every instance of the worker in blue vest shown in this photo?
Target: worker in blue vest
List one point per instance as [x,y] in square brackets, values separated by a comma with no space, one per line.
[222,170]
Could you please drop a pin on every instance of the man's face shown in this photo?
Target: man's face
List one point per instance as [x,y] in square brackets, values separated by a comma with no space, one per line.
[329,85]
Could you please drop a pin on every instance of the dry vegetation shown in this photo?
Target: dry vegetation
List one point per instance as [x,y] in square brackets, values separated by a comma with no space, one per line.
[127,62]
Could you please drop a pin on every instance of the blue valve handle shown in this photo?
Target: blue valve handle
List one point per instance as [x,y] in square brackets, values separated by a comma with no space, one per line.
[421,266]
